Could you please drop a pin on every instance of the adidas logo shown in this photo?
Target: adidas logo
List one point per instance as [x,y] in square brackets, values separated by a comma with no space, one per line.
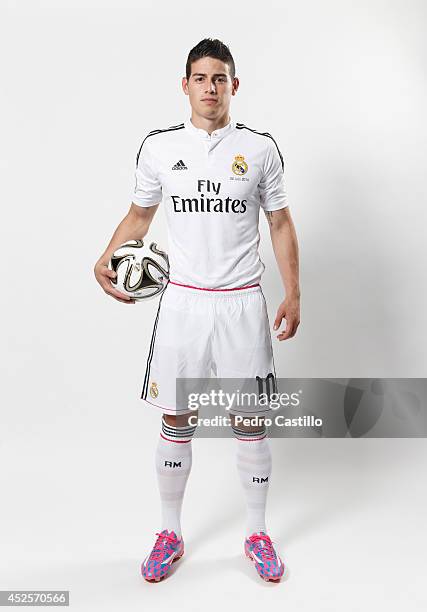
[179,166]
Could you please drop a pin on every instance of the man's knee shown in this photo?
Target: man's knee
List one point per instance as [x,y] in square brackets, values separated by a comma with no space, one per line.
[180,420]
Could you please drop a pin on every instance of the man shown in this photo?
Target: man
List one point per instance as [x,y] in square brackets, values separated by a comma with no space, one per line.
[212,174]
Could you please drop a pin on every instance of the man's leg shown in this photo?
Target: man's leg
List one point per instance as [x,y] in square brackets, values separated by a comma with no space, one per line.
[173,465]
[254,467]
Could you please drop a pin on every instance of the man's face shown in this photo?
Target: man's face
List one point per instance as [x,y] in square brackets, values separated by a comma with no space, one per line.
[210,87]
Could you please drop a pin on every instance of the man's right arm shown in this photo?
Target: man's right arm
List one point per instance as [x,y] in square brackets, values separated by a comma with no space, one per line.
[133,227]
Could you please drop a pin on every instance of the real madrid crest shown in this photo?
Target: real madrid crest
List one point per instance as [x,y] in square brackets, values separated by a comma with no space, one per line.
[154,392]
[239,166]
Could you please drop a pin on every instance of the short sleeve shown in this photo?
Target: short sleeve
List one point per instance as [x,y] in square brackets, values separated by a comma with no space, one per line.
[272,184]
[148,190]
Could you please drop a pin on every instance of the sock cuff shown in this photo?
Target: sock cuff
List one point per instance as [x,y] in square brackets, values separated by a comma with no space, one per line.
[248,436]
[177,434]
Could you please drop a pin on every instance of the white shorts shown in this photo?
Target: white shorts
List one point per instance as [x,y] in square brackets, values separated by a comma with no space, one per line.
[200,331]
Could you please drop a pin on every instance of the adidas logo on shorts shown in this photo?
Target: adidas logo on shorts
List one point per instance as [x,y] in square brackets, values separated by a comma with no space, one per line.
[179,166]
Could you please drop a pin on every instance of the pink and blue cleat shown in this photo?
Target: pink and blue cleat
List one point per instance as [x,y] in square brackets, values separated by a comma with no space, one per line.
[259,548]
[167,549]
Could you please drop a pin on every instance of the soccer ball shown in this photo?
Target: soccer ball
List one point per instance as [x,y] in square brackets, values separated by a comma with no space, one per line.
[142,271]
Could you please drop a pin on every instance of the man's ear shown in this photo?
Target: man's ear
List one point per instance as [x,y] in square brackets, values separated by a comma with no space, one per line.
[185,85]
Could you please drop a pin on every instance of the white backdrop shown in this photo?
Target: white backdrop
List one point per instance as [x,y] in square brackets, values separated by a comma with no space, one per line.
[341,86]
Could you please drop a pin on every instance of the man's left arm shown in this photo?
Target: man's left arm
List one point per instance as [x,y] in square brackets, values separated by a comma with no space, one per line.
[285,246]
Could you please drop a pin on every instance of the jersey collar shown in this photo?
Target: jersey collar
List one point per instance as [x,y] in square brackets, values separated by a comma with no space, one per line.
[220,133]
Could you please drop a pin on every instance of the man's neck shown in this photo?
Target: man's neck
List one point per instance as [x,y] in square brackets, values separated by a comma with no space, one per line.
[210,125]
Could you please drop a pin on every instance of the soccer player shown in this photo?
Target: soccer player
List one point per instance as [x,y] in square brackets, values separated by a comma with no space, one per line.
[212,175]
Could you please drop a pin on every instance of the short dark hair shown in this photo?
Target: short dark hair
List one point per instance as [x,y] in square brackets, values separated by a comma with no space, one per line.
[211,47]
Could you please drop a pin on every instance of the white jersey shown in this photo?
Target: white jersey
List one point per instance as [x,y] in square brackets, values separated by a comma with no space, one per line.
[212,187]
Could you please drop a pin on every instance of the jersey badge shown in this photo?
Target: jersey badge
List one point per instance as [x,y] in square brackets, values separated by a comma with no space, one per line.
[239,165]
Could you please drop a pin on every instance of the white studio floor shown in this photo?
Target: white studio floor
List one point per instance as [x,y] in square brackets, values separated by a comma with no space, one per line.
[348,517]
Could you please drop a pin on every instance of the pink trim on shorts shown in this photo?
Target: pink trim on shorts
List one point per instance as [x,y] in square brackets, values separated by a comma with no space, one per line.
[206,289]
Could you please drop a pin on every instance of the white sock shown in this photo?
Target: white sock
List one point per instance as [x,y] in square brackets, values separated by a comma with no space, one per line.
[254,467]
[173,464]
